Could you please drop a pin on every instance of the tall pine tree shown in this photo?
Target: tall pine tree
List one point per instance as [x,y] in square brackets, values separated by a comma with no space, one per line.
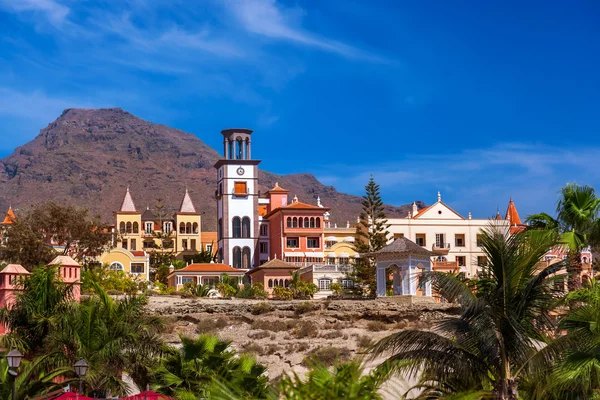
[371,235]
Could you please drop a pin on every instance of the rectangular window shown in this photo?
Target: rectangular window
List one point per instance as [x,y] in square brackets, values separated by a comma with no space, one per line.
[481,261]
[330,243]
[168,244]
[347,283]
[459,240]
[461,261]
[167,227]
[133,245]
[398,235]
[312,242]
[137,268]
[184,244]
[440,242]
[292,243]
[124,244]
[420,239]
[479,240]
[148,245]
[324,284]
[264,230]
[149,227]
[263,247]
[193,244]
[240,188]
[185,279]
[212,282]
[209,248]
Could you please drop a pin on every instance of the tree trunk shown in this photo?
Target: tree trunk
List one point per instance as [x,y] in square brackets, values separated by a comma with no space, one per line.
[506,390]
[574,270]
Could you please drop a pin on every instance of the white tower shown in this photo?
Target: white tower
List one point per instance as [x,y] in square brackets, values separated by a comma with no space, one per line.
[237,200]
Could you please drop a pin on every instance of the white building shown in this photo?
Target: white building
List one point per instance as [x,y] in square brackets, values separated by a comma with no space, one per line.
[441,229]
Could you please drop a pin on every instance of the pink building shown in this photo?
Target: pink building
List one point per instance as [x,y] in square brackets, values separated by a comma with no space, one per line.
[295,229]
[9,277]
[69,271]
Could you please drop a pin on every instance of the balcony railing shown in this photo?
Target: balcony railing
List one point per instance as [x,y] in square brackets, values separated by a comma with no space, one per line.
[445,264]
[441,246]
[324,267]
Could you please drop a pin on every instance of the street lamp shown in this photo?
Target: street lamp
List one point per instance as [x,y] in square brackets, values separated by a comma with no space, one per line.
[81,368]
[14,358]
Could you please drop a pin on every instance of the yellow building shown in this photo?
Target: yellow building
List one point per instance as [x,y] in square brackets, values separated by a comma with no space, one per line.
[131,262]
[179,233]
[339,245]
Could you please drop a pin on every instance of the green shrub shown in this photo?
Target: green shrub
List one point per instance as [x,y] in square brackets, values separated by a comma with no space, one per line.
[326,356]
[258,291]
[226,290]
[336,288]
[283,293]
[364,341]
[261,308]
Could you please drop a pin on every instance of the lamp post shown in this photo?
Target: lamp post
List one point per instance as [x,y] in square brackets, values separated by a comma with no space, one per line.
[81,368]
[14,358]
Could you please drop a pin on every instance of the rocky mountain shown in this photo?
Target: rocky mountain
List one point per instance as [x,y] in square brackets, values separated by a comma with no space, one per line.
[88,157]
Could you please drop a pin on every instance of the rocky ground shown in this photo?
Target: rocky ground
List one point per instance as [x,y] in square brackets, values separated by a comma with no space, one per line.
[282,334]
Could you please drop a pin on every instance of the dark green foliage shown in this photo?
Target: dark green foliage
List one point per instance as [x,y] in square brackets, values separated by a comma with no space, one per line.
[498,338]
[371,235]
[189,372]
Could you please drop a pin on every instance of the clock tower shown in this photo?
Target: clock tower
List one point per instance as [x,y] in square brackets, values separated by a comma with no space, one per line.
[237,200]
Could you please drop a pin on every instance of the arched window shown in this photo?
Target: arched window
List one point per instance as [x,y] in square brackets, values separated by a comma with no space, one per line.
[246,258]
[237,227]
[289,222]
[116,266]
[239,148]
[270,283]
[182,228]
[237,257]
[287,283]
[281,283]
[195,227]
[188,227]
[246,227]
[231,155]
[312,222]
[136,227]
[128,227]
[122,227]
[324,283]
[306,222]
[318,222]
[300,222]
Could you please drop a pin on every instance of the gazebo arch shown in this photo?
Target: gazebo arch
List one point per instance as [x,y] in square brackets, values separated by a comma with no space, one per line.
[405,260]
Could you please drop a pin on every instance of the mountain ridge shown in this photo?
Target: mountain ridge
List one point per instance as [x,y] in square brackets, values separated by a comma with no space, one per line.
[88,157]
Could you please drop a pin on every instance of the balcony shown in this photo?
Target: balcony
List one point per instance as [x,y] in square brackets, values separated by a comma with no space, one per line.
[445,266]
[442,248]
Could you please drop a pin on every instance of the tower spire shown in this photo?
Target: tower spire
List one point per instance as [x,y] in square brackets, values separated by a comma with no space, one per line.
[128,205]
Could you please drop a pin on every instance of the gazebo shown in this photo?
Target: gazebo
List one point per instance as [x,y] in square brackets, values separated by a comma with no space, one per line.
[405,260]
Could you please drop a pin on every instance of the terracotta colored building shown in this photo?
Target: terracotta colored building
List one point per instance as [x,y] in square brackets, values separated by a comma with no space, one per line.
[296,229]
[9,277]
[273,273]
[69,271]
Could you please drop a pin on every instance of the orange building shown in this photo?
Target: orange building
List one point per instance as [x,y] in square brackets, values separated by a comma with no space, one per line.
[9,278]
[202,274]
[295,229]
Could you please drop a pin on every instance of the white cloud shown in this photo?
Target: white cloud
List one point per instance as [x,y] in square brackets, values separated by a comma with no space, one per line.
[266,18]
[54,11]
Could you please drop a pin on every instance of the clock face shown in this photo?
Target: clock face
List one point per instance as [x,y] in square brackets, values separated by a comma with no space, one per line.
[240,171]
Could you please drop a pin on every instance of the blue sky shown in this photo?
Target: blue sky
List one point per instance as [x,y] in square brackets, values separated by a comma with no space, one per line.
[479,100]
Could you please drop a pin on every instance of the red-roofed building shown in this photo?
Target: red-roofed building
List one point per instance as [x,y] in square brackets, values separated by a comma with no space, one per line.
[203,274]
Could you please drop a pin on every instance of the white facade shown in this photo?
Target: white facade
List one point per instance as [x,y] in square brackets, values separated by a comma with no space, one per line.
[441,229]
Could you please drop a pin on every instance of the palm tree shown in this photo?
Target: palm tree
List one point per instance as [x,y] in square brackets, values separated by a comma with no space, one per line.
[499,335]
[345,381]
[32,381]
[576,224]
[42,300]
[190,371]
[113,336]
[577,374]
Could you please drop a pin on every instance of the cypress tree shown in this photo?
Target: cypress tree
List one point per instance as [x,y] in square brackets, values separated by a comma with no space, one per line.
[371,235]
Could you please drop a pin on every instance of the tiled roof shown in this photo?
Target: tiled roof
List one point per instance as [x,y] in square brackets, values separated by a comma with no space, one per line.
[209,267]
[65,261]
[14,269]
[512,215]
[186,204]
[148,215]
[421,211]
[274,264]
[9,218]
[128,205]
[138,253]
[403,246]
[278,188]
